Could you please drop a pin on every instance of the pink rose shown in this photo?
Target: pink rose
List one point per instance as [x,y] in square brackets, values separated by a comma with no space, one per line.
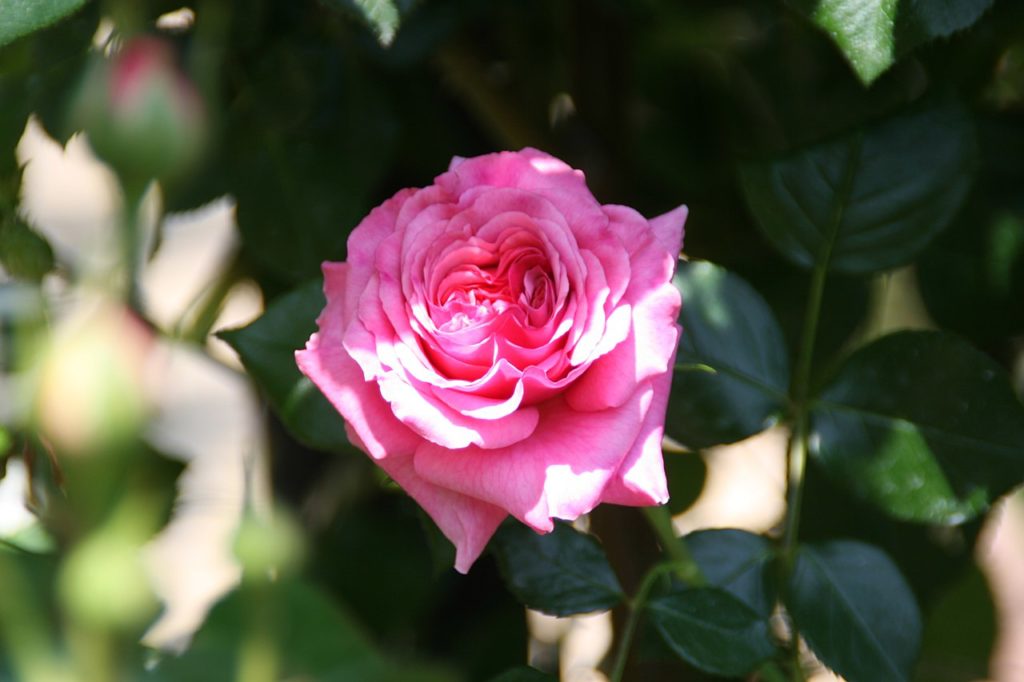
[501,343]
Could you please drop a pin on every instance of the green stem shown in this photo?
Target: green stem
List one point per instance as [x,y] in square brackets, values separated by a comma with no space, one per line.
[636,607]
[131,240]
[680,562]
[796,464]
[22,629]
[258,656]
[800,392]
[673,545]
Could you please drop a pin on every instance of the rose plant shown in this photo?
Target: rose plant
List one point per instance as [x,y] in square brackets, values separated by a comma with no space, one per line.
[501,343]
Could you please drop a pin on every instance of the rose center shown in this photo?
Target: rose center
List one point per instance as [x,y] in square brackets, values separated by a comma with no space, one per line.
[515,281]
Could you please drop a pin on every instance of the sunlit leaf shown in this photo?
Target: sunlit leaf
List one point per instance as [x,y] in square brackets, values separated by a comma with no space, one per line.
[382,16]
[732,371]
[21,17]
[873,34]
[923,425]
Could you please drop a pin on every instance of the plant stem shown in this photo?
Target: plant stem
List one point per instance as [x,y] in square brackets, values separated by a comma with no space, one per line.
[131,240]
[796,450]
[680,562]
[22,629]
[636,607]
[673,545]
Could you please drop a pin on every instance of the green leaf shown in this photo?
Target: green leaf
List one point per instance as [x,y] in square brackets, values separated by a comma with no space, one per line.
[870,200]
[267,349]
[922,425]
[560,573]
[737,562]
[23,252]
[381,15]
[713,630]
[523,674]
[873,34]
[20,17]
[960,632]
[972,277]
[301,630]
[326,135]
[732,370]
[855,610]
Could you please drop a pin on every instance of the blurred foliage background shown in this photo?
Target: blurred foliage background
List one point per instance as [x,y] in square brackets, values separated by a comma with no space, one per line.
[306,114]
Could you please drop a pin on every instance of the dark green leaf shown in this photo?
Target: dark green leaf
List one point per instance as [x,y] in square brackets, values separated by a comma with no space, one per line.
[732,370]
[561,573]
[24,254]
[737,562]
[972,277]
[870,200]
[326,137]
[873,34]
[923,425]
[855,610]
[712,630]
[36,76]
[959,632]
[267,349]
[686,473]
[523,674]
[21,17]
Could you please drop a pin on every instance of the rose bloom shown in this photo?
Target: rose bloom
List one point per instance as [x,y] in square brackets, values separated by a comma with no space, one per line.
[501,343]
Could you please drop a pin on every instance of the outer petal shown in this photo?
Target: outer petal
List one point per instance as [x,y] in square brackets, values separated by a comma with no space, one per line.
[640,480]
[653,334]
[326,362]
[467,522]
[669,228]
[560,471]
[531,170]
[417,407]
[362,243]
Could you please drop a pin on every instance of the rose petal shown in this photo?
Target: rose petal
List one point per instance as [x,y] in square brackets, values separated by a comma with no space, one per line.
[640,480]
[560,471]
[328,365]
[469,523]
[416,407]
[362,243]
[653,334]
[669,228]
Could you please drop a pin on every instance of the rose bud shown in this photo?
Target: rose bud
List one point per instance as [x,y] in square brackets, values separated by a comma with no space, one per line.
[501,343]
[89,396]
[142,115]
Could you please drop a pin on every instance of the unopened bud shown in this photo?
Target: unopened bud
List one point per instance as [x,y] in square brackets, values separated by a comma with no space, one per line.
[90,383]
[142,115]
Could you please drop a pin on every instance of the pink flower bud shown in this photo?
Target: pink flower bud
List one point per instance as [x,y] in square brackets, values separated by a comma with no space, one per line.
[142,114]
